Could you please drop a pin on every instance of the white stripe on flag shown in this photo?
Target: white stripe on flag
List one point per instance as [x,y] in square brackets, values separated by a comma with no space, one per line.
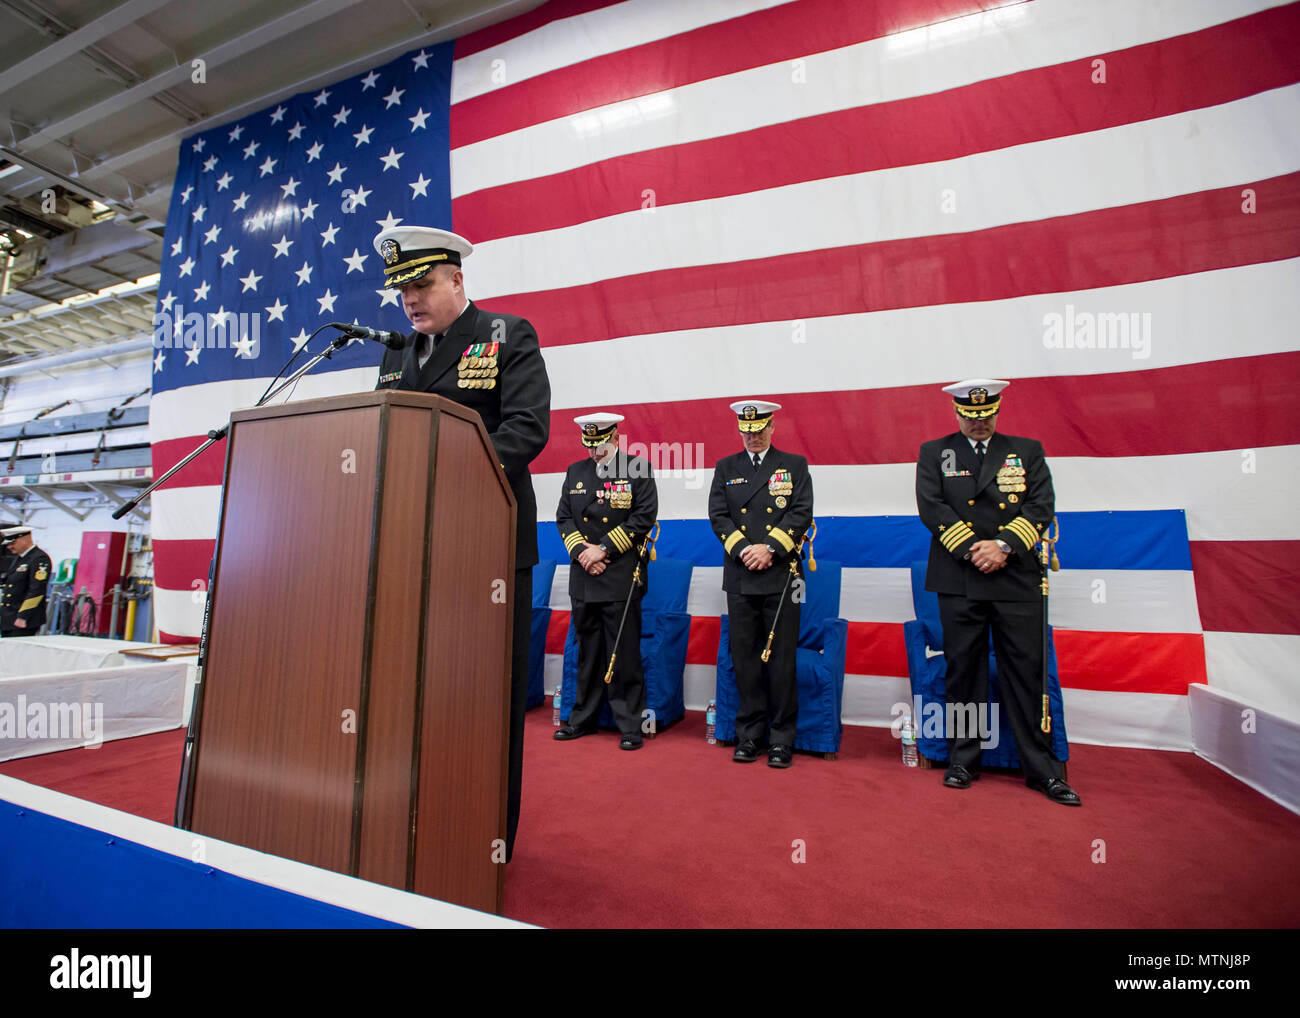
[584,37]
[1232,495]
[1190,317]
[995,44]
[1203,149]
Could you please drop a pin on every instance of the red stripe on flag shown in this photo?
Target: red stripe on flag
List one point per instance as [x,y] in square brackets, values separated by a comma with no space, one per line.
[702,644]
[1130,662]
[1206,68]
[208,468]
[1248,586]
[164,637]
[710,51]
[557,631]
[876,648]
[554,10]
[1107,247]
[1250,399]
[178,563]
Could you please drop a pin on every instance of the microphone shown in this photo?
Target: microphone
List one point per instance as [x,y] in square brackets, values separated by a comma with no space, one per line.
[392,340]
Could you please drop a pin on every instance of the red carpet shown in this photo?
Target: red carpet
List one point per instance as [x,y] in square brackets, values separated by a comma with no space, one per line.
[677,835]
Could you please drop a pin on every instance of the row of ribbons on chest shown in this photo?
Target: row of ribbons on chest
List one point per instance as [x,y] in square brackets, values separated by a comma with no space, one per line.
[615,494]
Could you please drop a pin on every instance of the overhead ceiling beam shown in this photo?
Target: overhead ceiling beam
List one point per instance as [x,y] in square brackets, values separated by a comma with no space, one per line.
[74,42]
[167,142]
[257,38]
[42,493]
[116,499]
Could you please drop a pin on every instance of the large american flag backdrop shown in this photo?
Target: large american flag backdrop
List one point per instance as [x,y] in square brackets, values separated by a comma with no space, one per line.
[840,206]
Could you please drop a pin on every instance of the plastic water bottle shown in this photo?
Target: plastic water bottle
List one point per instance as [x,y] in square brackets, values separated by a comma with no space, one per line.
[910,758]
[711,723]
[555,708]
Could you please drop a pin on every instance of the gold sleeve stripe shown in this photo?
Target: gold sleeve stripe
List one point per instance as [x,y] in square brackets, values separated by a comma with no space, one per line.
[733,540]
[572,541]
[955,536]
[620,539]
[783,539]
[1024,530]
[32,602]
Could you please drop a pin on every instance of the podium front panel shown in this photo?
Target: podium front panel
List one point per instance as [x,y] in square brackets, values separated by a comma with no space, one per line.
[277,760]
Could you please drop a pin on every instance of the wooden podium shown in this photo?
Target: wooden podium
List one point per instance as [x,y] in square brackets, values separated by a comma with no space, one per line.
[354,706]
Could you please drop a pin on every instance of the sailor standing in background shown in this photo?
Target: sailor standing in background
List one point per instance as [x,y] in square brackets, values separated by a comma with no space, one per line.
[607,508]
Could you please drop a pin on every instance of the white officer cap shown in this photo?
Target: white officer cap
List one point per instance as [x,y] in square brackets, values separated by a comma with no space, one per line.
[976,398]
[753,414]
[411,251]
[9,532]
[597,428]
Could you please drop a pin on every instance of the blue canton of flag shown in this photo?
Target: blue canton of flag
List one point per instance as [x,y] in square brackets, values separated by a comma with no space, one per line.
[270,230]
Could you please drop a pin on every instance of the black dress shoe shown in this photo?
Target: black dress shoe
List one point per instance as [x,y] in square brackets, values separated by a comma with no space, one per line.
[780,756]
[1056,790]
[630,742]
[958,776]
[746,751]
[568,732]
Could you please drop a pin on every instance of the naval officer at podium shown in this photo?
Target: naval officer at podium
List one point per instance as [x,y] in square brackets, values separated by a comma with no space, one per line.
[499,372]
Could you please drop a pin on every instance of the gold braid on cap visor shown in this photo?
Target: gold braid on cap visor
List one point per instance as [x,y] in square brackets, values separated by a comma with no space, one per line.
[976,413]
[756,425]
[409,270]
[592,441]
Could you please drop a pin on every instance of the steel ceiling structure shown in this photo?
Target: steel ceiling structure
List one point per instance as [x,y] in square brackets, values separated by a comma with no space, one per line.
[95,97]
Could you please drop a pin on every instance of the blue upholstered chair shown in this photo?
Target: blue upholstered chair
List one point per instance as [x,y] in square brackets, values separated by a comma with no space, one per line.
[543,577]
[926,668]
[665,629]
[819,666]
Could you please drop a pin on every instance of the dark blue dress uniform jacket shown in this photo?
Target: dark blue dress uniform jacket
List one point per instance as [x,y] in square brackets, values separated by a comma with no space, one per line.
[588,514]
[745,509]
[516,409]
[960,504]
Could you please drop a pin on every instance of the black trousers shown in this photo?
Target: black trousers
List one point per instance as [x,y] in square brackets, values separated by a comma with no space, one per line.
[595,623]
[9,634]
[523,625]
[769,693]
[1018,647]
